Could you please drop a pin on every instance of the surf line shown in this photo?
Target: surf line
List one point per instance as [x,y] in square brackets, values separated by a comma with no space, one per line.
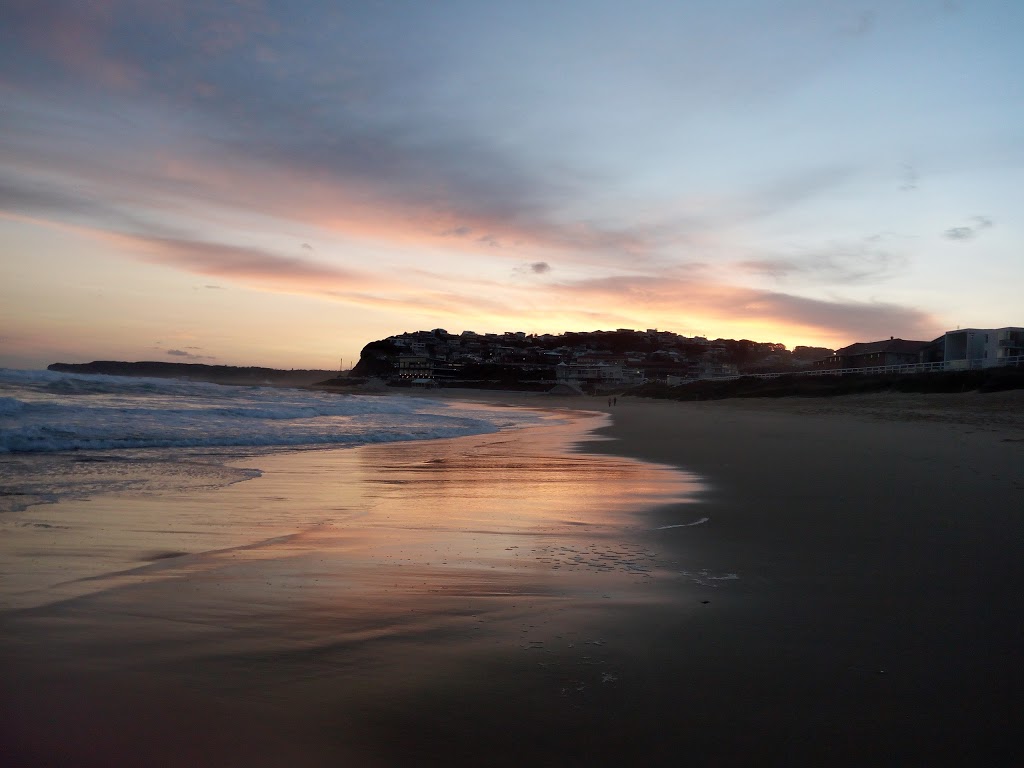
[683,525]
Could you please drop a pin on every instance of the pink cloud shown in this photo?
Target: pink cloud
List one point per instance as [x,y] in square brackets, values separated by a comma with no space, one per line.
[238,262]
[713,302]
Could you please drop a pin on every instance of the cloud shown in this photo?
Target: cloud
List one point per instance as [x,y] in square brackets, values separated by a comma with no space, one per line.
[136,191]
[862,261]
[242,263]
[448,304]
[718,302]
[52,199]
[979,223]
[364,126]
[533,268]
[788,190]
[147,238]
[184,353]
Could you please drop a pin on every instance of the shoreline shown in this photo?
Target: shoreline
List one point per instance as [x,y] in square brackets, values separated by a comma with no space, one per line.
[851,599]
[350,603]
[161,520]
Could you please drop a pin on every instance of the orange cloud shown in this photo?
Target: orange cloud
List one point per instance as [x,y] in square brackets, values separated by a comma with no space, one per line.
[689,302]
[358,209]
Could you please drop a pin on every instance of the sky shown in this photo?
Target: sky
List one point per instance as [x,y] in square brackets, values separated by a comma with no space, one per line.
[278,183]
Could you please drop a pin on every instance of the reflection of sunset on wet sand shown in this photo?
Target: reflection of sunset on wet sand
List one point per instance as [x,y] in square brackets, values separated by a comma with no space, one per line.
[503,505]
[361,578]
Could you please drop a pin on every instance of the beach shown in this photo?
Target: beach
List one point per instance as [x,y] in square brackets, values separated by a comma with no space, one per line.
[797,582]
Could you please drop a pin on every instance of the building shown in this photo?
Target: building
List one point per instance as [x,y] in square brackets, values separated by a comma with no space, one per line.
[962,349]
[871,354]
[982,347]
[424,367]
[713,369]
[598,375]
[597,358]
[415,367]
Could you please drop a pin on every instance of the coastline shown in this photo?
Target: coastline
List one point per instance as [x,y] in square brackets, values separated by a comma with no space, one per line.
[850,599]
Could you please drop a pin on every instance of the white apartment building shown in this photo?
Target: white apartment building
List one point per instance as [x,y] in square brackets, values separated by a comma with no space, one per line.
[598,374]
[982,347]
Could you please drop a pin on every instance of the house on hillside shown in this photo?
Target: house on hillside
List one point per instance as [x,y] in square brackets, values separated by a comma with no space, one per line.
[869,354]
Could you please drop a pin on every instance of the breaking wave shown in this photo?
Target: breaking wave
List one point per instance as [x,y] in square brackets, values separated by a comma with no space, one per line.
[46,411]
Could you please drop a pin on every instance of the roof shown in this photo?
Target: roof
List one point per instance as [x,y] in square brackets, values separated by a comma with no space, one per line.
[896,346]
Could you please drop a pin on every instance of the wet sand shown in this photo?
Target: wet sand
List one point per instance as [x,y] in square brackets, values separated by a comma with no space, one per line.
[878,618]
[837,583]
[348,606]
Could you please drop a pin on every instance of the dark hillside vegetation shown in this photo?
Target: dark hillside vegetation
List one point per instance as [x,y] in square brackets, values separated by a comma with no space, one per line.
[987,380]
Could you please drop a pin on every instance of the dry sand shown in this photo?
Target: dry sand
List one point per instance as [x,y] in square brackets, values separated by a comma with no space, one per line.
[852,598]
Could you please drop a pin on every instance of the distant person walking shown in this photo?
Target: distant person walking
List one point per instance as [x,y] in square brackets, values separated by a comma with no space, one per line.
[615,401]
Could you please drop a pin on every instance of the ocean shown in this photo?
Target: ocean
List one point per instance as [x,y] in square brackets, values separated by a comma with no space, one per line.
[366,589]
[67,435]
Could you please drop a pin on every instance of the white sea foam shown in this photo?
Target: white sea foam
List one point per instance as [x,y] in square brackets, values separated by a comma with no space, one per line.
[45,411]
[683,525]
[707,579]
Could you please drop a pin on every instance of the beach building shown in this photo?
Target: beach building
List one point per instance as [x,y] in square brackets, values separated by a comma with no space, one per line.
[962,349]
[598,375]
[869,354]
[714,369]
[414,366]
[982,347]
[423,367]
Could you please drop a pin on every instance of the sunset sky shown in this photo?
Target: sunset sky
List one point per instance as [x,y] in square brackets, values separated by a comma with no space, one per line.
[278,183]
